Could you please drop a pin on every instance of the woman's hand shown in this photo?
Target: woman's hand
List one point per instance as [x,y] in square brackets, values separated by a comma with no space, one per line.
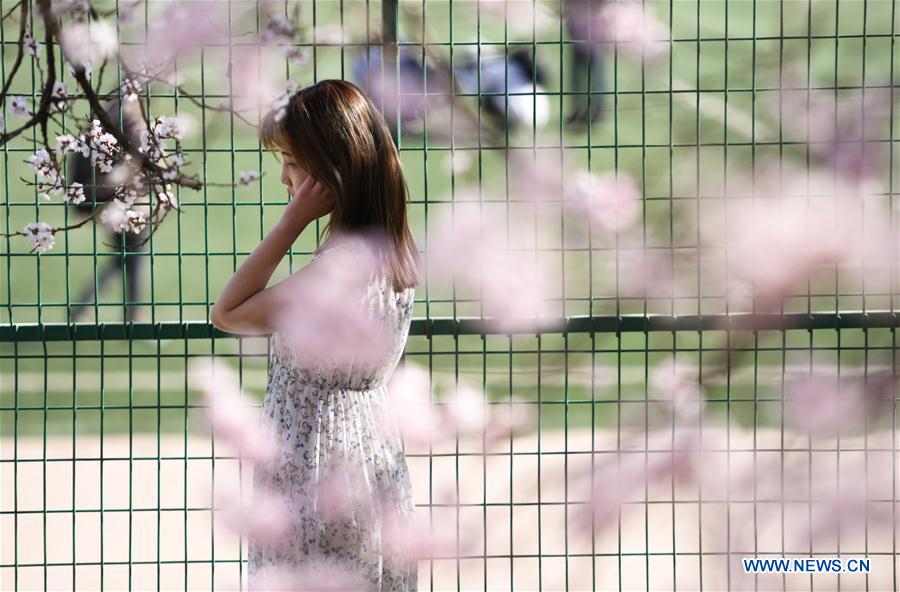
[312,200]
[246,306]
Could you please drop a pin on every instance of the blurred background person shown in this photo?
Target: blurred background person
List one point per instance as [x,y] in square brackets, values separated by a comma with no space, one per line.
[584,23]
[99,189]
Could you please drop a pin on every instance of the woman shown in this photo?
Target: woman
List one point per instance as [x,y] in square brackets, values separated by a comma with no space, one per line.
[339,159]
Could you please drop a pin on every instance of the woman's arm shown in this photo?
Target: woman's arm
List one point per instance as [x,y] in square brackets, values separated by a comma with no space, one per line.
[245,305]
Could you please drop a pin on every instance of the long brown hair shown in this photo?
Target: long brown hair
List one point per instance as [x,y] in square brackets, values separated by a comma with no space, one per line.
[333,130]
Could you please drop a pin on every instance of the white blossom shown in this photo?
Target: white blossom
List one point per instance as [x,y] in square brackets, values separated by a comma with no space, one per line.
[279,28]
[42,166]
[18,106]
[82,146]
[145,141]
[33,46]
[296,54]
[131,89]
[167,200]
[103,147]
[151,148]
[66,143]
[247,177]
[166,127]
[113,215]
[75,193]
[59,90]
[134,221]
[41,236]
[56,188]
[280,101]
[127,195]
[82,43]
[138,181]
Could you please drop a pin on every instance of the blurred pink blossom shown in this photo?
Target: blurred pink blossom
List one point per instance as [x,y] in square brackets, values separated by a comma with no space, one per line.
[842,508]
[468,414]
[257,86]
[514,285]
[465,414]
[410,407]
[843,133]
[611,200]
[623,477]
[411,538]
[793,227]
[506,419]
[676,383]
[228,417]
[465,411]
[829,404]
[645,273]
[264,518]
[632,25]
[343,490]
[178,30]
[635,27]
[331,318]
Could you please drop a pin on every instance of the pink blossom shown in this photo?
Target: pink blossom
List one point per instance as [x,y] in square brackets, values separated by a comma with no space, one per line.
[842,134]
[676,383]
[466,410]
[228,417]
[644,273]
[343,490]
[330,318]
[827,404]
[254,84]
[623,477]
[179,29]
[410,408]
[506,419]
[412,538]
[774,242]
[394,93]
[467,413]
[264,518]
[513,285]
[611,200]
[634,27]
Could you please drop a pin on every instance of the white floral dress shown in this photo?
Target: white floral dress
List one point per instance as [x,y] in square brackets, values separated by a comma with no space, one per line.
[325,417]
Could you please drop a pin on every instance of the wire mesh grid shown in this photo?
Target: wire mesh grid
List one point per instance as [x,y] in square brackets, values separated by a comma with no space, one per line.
[106,478]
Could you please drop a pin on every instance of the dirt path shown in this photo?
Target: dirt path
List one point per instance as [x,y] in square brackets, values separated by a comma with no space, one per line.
[148,511]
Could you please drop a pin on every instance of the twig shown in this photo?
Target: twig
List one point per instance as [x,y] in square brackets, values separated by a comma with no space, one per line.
[56,229]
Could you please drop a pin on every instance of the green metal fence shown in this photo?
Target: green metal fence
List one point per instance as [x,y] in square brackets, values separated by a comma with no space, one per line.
[100,459]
